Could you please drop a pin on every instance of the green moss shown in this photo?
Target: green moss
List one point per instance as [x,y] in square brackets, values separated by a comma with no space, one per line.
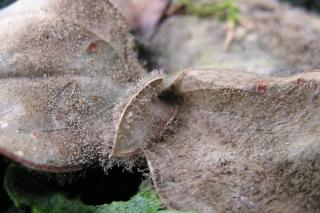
[26,190]
[224,10]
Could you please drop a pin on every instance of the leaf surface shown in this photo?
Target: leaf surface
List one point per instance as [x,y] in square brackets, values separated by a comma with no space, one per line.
[243,142]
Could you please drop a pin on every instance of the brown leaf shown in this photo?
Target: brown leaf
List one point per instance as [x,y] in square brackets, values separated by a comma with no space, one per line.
[143,118]
[52,36]
[63,66]
[237,149]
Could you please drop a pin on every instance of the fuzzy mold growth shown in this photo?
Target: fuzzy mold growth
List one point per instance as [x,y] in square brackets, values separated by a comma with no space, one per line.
[63,66]
[143,117]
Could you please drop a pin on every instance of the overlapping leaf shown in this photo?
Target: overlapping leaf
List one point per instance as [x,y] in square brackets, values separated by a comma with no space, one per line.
[142,118]
[63,66]
[244,142]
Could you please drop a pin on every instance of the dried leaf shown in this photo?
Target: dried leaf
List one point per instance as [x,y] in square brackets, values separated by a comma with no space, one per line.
[56,37]
[143,118]
[64,65]
[245,143]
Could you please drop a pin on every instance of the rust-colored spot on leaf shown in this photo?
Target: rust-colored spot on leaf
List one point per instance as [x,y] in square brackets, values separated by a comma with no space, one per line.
[262,87]
[300,82]
[93,47]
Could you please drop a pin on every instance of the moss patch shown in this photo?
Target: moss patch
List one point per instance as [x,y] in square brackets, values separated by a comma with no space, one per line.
[224,10]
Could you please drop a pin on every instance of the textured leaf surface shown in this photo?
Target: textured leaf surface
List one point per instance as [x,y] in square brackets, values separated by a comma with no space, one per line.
[63,65]
[143,117]
[243,142]
[25,190]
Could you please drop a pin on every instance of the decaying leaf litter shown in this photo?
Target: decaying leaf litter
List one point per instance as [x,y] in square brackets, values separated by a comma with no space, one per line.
[235,137]
[62,77]
[237,141]
[271,39]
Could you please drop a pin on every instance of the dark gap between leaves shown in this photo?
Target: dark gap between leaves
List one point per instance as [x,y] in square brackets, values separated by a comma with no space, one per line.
[4,3]
[5,202]
[310,5]
[92,186]
[97,188]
